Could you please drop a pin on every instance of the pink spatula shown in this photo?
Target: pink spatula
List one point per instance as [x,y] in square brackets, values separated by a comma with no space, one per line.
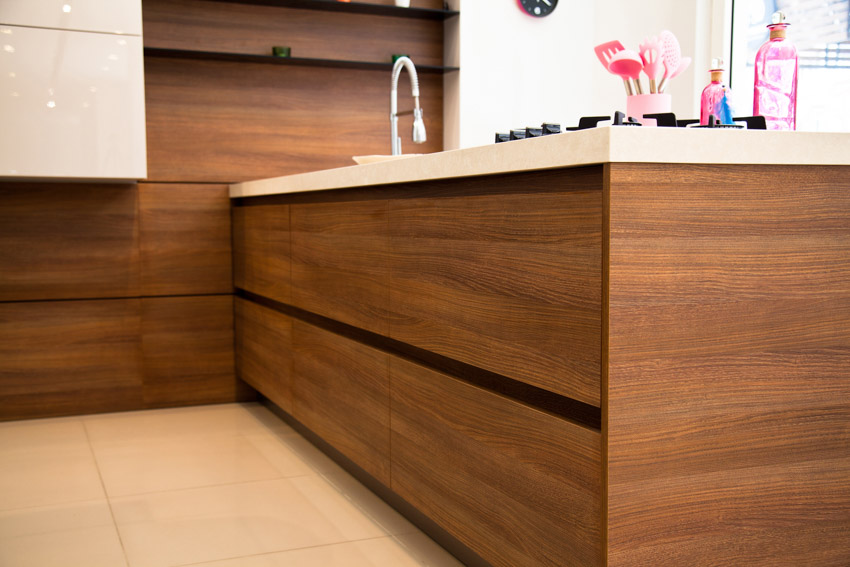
[627,64]
[653,66]
[605,52]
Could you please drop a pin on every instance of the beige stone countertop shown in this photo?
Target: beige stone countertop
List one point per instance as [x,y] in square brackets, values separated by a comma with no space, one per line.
[610,144]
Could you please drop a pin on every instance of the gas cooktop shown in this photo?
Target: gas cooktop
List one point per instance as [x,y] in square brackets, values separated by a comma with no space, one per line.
[663,120]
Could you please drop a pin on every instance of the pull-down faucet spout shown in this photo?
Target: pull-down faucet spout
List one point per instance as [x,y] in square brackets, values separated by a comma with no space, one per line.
[419,135]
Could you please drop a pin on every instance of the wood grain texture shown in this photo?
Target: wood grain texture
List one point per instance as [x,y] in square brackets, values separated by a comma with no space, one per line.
[339,261]
[65,241]
[261,250]
[187,343]
[518,486]
[264,351]
[185,239]
[728,399]
[226,122]
[508,282]
[341,392]
[241,28]
[69,357]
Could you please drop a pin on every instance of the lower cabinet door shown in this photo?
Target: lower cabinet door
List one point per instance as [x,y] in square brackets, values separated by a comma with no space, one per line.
[341,392]
[516,485]
[264,351]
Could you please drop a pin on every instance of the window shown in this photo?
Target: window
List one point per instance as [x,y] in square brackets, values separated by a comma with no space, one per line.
[821,31]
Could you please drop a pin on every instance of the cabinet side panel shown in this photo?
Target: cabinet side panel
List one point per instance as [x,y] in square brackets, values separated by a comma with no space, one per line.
[729,366]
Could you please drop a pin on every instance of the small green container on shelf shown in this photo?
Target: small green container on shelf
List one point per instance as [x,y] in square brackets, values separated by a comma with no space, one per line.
[397,55]
[281,51]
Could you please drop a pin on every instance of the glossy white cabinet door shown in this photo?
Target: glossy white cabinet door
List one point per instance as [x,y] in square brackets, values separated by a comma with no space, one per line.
[72,105]
[105,16]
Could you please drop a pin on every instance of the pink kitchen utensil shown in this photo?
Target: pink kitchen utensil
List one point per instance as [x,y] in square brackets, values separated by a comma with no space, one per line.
[605,52]
[653,66]
[683,64]
[671,54]
[628,65]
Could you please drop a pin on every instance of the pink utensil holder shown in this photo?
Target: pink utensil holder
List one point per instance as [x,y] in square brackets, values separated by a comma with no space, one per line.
[638,105]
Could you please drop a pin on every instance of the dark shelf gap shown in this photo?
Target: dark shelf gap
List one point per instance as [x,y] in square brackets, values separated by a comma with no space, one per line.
[168,53]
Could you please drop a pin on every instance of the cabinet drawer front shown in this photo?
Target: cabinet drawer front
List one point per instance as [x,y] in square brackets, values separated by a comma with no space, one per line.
[517,485]
[339,265]
[264,351]
[261,250]
[341,392]
[509,283]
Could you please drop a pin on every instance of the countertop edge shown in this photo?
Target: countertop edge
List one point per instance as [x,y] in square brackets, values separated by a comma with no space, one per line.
[575,149]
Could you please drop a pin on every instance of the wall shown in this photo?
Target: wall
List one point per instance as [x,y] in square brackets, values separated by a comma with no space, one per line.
[519,71]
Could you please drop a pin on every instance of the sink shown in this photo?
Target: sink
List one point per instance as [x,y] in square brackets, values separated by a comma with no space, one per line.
[363,160]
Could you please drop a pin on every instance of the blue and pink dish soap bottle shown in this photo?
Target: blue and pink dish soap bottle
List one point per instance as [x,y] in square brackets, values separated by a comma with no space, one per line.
[716,97]
[775,94]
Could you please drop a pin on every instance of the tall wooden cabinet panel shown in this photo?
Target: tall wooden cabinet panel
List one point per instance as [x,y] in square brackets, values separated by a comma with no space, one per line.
[316,34]
[339,261]
[68,241]
[61,357]
[728,363]
[517,485]
[341,392]
[185,239]
[211,121]
[261,249]
[264,351]
[509,282]
[187,343]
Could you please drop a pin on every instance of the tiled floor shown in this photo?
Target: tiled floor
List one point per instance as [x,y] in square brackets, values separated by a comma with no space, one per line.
[224,486]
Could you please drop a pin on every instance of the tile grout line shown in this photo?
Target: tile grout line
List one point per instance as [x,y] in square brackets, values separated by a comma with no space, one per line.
[106,494]
[202,563]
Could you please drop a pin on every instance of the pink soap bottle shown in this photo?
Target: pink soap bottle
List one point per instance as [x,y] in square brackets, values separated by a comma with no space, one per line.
[716,97]
[775,94]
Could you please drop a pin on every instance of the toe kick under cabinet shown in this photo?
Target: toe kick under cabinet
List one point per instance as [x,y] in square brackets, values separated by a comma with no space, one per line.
[622,364]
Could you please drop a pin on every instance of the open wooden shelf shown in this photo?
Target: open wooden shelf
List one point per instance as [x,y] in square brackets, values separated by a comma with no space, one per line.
[353,8]
[270,59]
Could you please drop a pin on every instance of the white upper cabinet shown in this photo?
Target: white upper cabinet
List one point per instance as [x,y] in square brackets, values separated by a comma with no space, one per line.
[104,16]
[72,102]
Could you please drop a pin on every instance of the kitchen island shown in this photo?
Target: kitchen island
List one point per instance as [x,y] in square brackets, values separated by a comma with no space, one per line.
[619,346]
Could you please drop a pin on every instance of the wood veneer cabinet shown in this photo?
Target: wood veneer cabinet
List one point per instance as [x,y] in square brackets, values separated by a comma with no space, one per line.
[716,299]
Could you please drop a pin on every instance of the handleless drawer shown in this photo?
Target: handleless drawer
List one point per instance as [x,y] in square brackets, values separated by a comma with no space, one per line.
[339,261]
[506,282]
[261,242]
[517,485]
[264,351]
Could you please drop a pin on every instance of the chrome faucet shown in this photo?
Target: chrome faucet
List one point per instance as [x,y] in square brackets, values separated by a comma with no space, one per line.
[419,135]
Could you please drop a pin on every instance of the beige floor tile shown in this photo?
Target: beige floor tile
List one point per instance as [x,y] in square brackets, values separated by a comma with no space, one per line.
[42,434]
[290,454]
[142,466]
[368,503]
[426,551]
[206,524]
[381,552]
[48,473]
[72,534]
[150,425]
